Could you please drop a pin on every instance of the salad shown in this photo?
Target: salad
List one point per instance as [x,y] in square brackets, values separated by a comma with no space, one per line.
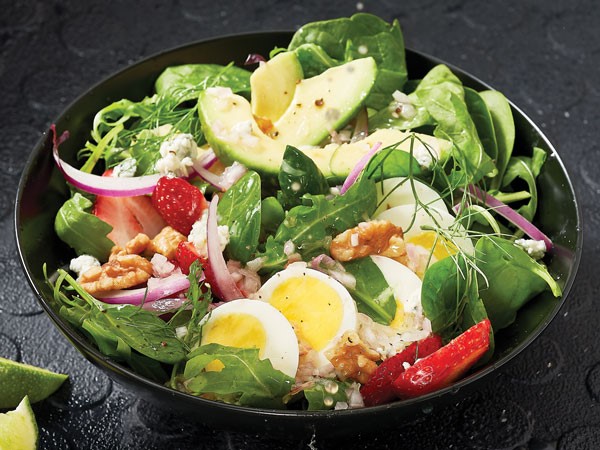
[314,230]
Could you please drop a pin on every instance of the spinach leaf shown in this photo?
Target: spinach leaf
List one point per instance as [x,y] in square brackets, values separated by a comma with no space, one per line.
[359,36]
[240,210]
[373,295]
[483,122]
[299,175]
[509,278]
[74,225]
[324,394]
[314,60]
[449,296]
[244,380]
[271,215]
[527,169]
[504,130]
[390,117]
[182,83]
[312,225]
[391,162]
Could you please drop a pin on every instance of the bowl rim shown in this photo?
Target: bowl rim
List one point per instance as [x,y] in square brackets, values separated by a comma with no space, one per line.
[93,355]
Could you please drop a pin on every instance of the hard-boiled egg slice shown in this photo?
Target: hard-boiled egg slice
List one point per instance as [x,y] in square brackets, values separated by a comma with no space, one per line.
[419,225]
[319,307]
[248,323]
[404,191]
[409,323]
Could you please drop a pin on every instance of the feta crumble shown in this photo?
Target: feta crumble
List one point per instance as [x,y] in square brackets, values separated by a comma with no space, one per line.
[125,168]
[198,235]
[82,264]
[535,249]
[178,154]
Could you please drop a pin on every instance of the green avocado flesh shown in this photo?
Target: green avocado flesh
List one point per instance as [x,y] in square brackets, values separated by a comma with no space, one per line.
[273,84]
[320,105]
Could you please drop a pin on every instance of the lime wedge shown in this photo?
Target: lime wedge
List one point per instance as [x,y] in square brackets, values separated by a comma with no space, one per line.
[18,430]
[18,380]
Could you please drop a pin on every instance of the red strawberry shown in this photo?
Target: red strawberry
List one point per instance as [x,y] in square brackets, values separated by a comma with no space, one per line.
[128,216]
[178,202]
[378,390]
[446,365]
[186,254]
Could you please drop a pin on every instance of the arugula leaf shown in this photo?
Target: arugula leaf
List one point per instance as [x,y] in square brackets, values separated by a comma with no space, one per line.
[312,225]
[244,380]
[509,278]
[359,36]
[182,83]
[299,175]
[74,225]
[240,210]
[324,394]
[116,325]
[372,293]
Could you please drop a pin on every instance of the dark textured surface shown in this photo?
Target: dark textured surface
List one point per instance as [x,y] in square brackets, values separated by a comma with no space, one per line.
[543,55]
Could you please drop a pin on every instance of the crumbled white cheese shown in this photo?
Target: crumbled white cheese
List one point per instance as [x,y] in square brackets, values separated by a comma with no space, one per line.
[82,264]
[424,154]
[125,168]
[199,235]
[535,249]
[402,106]
[242,132]
[178,154]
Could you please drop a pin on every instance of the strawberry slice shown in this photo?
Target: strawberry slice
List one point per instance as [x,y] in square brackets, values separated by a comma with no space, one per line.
[128,216]
[178,202]
[186,254]
[446,365]
[378,390]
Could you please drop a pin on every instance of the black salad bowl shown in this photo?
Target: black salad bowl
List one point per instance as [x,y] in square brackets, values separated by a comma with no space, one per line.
[42,191]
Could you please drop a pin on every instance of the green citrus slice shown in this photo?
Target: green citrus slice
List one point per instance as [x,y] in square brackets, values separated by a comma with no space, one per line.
[18,429]
[18,380]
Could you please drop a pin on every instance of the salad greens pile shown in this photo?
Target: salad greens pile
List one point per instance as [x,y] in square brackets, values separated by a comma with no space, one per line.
[297,209]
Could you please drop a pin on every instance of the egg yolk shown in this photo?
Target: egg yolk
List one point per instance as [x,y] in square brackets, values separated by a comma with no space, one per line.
[430,240]
[234,330]
[398,319]
[312,306]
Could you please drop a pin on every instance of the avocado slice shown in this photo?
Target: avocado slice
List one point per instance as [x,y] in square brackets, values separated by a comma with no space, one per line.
[233,132]
[272,85]
[320,105]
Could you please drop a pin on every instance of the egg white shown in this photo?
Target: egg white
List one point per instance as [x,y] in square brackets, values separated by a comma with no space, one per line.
[281,345]
[400,191]
[320,308]
[409,324]
[413,219]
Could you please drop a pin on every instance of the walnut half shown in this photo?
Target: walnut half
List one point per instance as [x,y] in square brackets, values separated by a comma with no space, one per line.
[376,237]
[125,268]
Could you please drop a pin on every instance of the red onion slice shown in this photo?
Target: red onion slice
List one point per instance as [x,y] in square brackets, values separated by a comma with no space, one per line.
[98,185]
[254,58]
[225,180]
[157,288]
[355,172]
[224,285]
[511,215]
